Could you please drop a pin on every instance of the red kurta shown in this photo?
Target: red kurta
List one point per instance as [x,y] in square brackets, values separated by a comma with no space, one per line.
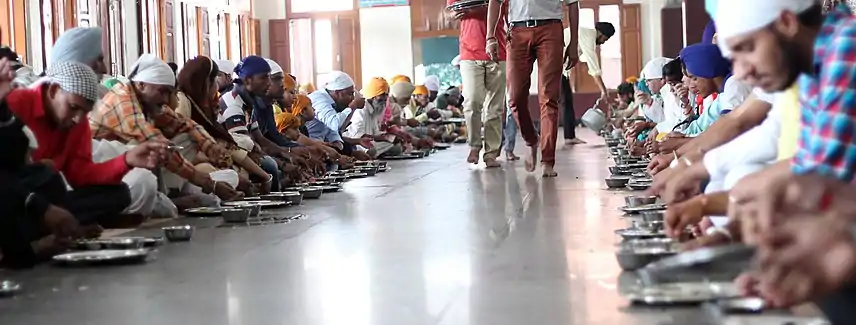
[70,150]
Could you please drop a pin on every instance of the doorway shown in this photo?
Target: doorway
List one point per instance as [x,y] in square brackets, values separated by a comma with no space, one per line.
[319,45]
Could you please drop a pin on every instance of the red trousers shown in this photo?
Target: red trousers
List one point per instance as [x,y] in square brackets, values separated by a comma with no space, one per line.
[544,44]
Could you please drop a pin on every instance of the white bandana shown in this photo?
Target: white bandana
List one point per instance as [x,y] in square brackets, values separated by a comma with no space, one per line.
[150,69]
[338,80]
[654,68]
[740,17]
[274,67]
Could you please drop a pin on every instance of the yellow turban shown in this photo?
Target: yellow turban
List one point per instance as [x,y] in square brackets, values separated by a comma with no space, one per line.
[376,87]
[307,88]
[400,78]
[300,103]
[286,121]
[632,80]
[288,82]
[421,90]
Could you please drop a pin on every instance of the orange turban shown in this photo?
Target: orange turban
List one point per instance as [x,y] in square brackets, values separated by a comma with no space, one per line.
[300,103]
[285,121]
[307,88]
[288,82]
[400,78]
[376,87]
[632,80]
[421,90]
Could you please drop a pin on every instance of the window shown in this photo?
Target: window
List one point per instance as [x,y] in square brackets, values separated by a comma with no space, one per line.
[321,5]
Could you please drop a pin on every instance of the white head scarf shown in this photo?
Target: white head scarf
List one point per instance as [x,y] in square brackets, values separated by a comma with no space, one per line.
[654,68]
[338,80]
[740,17]
[432,83]
[225,66]
[274,67]
[150,69]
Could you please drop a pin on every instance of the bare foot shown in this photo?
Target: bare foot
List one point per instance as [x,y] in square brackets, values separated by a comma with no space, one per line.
[570,143]
[491,162]
[473,158]
[548,172]
[510,156]
[531,158]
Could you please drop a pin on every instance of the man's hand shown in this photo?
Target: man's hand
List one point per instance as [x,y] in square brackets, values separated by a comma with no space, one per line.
[147,154]
[366,143]
[572,57]
[682,93]
[338,145]
[7,75]
[681,215]
[414,123]
[492,48]
[757,196]
[806,258]
[659,163]
[684,183]
[226,193]
[359,102]
[457,14]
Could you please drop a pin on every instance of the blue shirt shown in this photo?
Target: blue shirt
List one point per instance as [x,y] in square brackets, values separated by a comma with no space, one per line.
[319,131]
[325,112]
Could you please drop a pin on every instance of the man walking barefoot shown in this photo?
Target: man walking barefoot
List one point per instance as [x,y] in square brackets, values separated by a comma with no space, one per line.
[536,34]
[483,79]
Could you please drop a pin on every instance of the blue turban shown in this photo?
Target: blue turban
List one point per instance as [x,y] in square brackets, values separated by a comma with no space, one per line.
[705,61]
[709,32]
[81,45]
[251,66]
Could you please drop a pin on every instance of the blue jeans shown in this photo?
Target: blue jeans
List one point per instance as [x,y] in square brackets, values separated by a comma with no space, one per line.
[268,164]
[509,132]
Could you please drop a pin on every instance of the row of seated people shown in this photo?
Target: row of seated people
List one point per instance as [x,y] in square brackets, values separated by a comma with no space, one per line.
[85,154]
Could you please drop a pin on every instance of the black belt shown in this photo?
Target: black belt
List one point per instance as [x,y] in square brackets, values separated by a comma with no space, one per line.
[535,23]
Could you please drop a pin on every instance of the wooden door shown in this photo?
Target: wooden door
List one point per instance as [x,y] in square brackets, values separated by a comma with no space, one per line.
[631,40]
[168,30]
[347,39]
[110,20]
[203,33]
[672,29]
[279,42]
[320,43]
[696,20]
[256,40]
[18,30]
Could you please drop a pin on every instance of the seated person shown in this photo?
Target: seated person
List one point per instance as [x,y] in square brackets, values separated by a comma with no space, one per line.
[365,123]
[197,100]
[135,112]
[224,76]
[301,110]
[55,111]
[450,103]
[407,117]
[238,107]
[337,97]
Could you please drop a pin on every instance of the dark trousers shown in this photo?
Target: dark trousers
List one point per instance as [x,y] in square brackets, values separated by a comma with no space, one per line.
[838,307]
[22,224]
[569,120]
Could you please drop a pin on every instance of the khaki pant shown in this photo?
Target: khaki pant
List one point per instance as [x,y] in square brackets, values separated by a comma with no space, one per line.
[484,103]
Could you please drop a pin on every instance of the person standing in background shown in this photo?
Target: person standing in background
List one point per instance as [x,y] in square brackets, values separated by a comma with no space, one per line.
[483,80]
[589,40]
[535,35]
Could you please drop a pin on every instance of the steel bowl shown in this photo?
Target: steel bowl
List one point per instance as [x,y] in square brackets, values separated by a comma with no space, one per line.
[623,152]
[125,243]
[236,215]
[616,182]
[652,226]
[636,201]
[311,192]
[618,171]
[255,209]
[611,142]
[651,216]
[635,254]
[178,233]
[381,164]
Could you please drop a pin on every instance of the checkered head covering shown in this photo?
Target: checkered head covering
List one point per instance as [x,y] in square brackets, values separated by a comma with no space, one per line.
[75,78]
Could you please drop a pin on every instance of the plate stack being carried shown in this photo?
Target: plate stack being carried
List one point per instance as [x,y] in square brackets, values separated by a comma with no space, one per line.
[466,4]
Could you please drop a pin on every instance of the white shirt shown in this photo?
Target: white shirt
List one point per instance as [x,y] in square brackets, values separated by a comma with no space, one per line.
[323,104]
[733,94]
[673,114]
[365,121]
[523,10]
[654,112]
[759,145]
[587,49]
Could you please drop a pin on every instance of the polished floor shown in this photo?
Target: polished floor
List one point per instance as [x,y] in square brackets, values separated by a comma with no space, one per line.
[434,241]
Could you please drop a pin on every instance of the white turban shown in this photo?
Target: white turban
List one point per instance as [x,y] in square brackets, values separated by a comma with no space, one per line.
[338,80]
[226,66]
[654,68]
[740,17]
[274,67]
[81,44]
[150,69]
[432,83]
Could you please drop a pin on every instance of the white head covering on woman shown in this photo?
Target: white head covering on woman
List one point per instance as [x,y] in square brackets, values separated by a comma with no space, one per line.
[152,70]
